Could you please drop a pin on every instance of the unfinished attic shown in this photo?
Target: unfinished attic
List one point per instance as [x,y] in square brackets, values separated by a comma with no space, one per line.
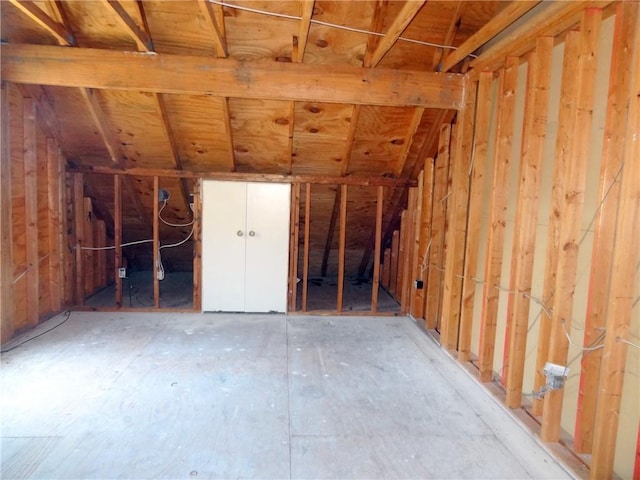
[469,170]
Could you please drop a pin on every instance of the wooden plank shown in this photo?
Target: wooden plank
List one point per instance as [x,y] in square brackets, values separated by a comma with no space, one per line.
[225,77]
[335,211]
[58,31]
[348,146]
[497,218]
[229,131]
[424,229]
[626,255]
[376,25]
[457,216]
[474,219]
[609,187]
[303,29]
[197,247]
[294,251]
[509,14]
[410,241]
[342,242]
[403,19]
[377,252]
[54,220]
[386,268]
[564,141]
[6,234]
[142,38]
[416,263]
[100,240]
[117,227]
[438,228]
[413,128]
[393,270]
[156,244]
[214,16]
[78,209]
[31,208]
[531,164]
[88,255]
[402,251]
[305,262]
[244,177]
[574,177]
[452,30]
[70,241]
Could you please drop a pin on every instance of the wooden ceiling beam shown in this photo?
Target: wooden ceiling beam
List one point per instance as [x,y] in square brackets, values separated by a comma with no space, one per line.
[413,128]
[35,13]
[142,38]
[449,37]
[408,12]
[303,29]
[497,24]
[214,16]
[377,22]
[163,73]
[244,177]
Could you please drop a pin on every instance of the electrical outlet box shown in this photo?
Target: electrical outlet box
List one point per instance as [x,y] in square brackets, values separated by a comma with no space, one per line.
[122,272]
[160,274]
[419,284]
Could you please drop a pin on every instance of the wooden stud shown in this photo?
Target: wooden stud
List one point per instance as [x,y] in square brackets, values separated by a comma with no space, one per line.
[78,202]
[377,252]
[342,242]
[58,31]
[531,164]
[99,241]
[416,262]
[457,216]
[156,243]
[497,218]
[410,241]
[612,160]
[474,219]
[88,255]
[294,251]
[225,77]
[6,234]
[386,269]
[330,232]
[117,227]
[31,208]
[54,217]
[424,245]
[573,177]
[305,263]
[626,255]
[438,228]
[393,268]
[197,246]
[69,240]
[497,24]
[402,251]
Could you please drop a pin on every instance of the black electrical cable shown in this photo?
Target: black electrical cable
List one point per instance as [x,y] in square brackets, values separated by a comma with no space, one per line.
[67,313]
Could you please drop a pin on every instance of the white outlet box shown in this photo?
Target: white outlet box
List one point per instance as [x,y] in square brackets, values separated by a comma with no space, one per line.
[122,272]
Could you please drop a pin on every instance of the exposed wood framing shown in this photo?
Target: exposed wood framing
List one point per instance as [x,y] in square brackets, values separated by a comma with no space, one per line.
[416,262]
[294,230]
[405,16]
[305,261]
[229,131]
[51,125]
[457,216]
[402,251]
[386,269]
[197,247]
[142,38]
[54,217]
[393,269]
[574,177]
[303,29]
[31,209]
[335,211]
[612,160]
[424,235]
[6,234]
[88,255]
[377,22]
[78,208]
[497,218]
[474,219]
[214,16]
[413,128]
[117,226]
[449,37]
[156,244]
[377,251]
[409,243]
[342,242]
[179,74]
[531,164]
[497,24]
[56,29]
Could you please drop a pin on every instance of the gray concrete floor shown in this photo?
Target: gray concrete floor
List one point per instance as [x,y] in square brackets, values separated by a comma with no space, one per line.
[173,396]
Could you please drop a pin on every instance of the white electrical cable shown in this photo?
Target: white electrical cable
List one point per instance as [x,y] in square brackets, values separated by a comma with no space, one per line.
[112,247]
[164,204]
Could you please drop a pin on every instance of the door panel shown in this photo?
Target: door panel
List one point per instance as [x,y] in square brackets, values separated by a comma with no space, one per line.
[223,246]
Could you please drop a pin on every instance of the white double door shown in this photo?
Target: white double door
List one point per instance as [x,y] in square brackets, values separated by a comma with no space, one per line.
[245,246]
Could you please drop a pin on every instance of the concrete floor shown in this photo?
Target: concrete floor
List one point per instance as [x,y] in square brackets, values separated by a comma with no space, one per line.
[172,396]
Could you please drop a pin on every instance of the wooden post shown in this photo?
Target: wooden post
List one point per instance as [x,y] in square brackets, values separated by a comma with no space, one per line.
[416,262]
[6,234]
[31,209]
[531,162]
[197,245]
[117,229]
[305,264]
[438,228]
[386,268]
[409,242]
[454,266]
[497,218]
[393,269]
[626,254]
[418,304]
[342,245]
[293,248]
[612,159]
[156,243]
[474,219]
[100,241]
[378,248]
[563,143]
[78,202]
[54,179]
[402,245]
[574,177]
[88,255]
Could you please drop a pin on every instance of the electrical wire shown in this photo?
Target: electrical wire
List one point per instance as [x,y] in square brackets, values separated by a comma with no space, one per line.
[67,315]
[622,340]
[164,204]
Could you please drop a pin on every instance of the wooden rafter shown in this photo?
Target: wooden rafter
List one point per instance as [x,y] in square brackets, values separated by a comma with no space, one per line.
[142,38]
[377,22]
[409,10]
[215,17]
[506,17]
[413,128]
[449,37]
[35,13]
[51,124]
[180,74]
[303,29]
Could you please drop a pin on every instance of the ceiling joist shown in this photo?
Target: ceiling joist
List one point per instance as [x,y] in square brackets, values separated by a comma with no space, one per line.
[214,16]
[162,73]
[35,13]
[303,29]
[142,38]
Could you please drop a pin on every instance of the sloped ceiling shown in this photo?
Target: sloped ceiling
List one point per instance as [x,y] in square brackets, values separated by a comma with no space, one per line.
[210,131]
